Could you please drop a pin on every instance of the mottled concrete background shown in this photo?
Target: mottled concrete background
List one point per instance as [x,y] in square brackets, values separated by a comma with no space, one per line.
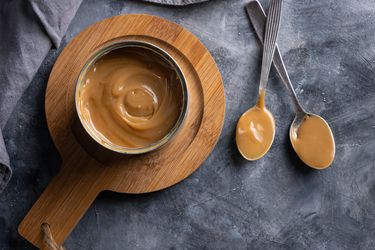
[273,203]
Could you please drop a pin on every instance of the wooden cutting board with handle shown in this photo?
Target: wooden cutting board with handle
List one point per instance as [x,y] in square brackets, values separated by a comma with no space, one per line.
[81,177]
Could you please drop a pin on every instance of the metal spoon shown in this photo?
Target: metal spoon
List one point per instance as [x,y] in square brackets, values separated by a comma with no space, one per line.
[256,127]
[258,19]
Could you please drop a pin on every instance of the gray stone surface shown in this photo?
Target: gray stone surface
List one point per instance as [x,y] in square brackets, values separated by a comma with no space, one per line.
[273,203]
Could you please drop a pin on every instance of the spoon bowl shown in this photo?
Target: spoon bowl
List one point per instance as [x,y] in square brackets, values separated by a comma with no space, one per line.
[257,127]
[312,140]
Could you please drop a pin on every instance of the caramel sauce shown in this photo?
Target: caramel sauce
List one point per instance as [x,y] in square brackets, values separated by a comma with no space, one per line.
[313,142]
[255,130]
[130,98]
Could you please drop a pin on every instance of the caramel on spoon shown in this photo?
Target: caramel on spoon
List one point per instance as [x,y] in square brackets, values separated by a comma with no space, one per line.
[256,127]
[310,134]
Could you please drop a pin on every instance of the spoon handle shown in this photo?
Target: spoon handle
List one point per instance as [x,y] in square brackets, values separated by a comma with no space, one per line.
[272,30]
[258,19]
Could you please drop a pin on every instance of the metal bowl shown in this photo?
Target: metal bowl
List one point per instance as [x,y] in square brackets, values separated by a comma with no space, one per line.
[167,59]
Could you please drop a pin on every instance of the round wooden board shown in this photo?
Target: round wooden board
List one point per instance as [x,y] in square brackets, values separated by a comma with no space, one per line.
[81,177]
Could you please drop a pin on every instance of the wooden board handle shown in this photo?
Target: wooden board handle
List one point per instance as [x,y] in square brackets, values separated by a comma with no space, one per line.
[61,205]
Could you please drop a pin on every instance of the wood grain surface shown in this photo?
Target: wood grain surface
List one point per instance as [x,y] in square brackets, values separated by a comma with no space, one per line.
[81,177]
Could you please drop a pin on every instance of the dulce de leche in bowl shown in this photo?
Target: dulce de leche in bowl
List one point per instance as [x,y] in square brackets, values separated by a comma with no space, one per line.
[131,97]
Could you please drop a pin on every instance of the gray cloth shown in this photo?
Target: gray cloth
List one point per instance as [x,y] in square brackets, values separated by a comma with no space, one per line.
[28,30]
[23,46]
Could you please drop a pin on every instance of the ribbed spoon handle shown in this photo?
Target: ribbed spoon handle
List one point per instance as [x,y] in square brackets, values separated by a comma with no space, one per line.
[272,30]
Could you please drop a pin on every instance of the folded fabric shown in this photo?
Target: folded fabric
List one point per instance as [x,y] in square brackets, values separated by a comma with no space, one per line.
[23,46]
[28,31]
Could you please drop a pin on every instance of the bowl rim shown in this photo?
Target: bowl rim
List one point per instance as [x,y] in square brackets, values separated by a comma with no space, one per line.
[99,53]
